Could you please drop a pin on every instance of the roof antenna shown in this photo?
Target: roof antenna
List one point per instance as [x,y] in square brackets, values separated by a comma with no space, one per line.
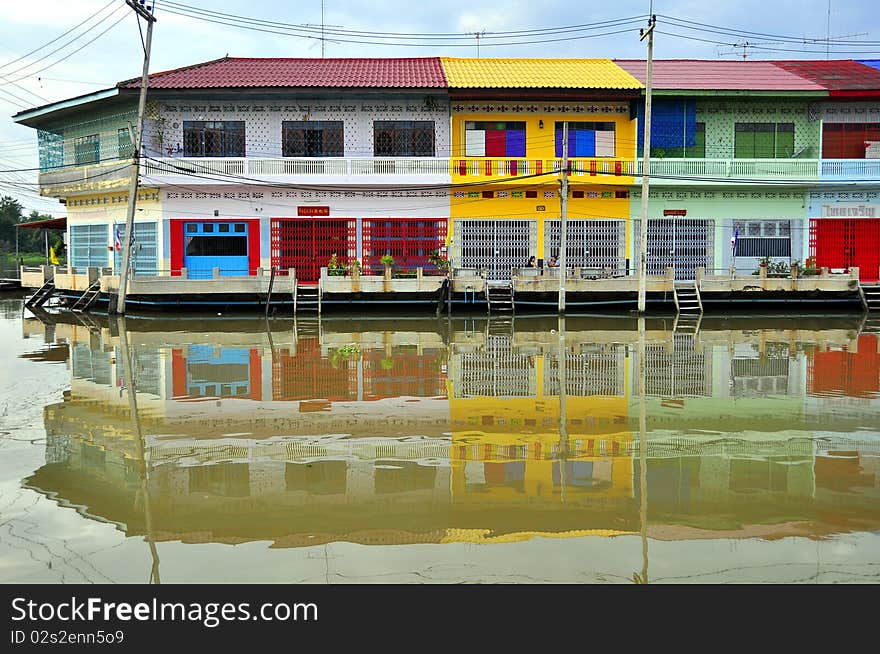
[478,36]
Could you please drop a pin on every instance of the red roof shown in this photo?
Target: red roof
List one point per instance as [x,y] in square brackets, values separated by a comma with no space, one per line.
[690,74]
[235,72]
[838,75]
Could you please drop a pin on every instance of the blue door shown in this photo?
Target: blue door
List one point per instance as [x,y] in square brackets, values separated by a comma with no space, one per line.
[209,245]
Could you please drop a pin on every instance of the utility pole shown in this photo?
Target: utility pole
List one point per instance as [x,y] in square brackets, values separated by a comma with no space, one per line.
[646,165]
[144,12]
[563,225]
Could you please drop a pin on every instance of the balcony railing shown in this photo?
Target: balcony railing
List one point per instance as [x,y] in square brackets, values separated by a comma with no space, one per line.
[283,166]
[851,169]
[590,170]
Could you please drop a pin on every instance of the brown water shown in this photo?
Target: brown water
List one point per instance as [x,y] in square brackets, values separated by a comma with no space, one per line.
[412,450]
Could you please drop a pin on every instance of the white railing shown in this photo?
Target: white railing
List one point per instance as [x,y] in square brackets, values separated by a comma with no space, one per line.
[734,168]
[280,166]
[596,168]
[861,169]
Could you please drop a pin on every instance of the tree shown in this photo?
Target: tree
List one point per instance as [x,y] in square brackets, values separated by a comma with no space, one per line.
[29,240]
[10,215]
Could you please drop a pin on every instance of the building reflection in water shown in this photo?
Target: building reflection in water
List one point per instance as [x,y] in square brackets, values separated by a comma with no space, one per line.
[423,433]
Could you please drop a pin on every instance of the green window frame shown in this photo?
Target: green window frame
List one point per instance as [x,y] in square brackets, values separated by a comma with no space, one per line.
[87,149]
[763,140]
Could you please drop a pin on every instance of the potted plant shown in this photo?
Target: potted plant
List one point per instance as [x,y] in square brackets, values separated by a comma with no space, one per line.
[441,264]
[334,267]
[354,268]
[387,260]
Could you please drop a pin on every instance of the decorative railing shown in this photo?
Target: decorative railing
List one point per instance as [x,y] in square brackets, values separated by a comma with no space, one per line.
[851,169]
[671,171]
[282,166]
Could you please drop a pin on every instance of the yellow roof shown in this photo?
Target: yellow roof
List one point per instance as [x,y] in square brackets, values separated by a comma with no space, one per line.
[537,73]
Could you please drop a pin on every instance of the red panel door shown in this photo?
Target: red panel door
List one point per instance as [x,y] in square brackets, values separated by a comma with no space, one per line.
[865,248]
[827,237]
[306,245]
[409,240]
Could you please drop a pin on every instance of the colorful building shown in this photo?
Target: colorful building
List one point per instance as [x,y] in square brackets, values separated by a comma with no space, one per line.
[304,164]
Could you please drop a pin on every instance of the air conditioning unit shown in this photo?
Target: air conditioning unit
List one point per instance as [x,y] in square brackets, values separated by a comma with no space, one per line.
[872,149]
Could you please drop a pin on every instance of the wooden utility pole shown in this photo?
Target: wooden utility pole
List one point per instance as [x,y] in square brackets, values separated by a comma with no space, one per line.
[144,12]
[646,166]
[563,225]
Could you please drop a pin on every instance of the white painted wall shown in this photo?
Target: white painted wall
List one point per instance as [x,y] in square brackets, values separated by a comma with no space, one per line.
[263,121]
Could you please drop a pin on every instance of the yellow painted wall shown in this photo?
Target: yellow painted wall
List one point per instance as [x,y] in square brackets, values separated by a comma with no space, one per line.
[599,201]
[541,142]
[110,208]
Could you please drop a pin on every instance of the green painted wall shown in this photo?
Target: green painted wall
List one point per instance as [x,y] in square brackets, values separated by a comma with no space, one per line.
[720,116]
[105,123]
[727,206]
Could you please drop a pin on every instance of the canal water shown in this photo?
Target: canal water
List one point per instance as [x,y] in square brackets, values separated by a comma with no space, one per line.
[347,450]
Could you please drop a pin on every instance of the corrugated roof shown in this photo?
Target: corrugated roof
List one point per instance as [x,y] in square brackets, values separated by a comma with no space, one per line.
[836,75]
[537,73]
[697,75]
[236,72]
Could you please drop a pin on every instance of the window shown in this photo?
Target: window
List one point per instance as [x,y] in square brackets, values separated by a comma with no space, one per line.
[88,246]
[494,139]
[403,138]
[124,147]
[216,246]
[587,139]
[213,138]
[144,249]
[847,140]
[763,140]
[763,238]
[319,138]
[87,149]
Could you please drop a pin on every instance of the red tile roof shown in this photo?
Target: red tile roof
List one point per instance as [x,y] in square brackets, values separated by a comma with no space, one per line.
[838,75]
[689,74]
[235,72]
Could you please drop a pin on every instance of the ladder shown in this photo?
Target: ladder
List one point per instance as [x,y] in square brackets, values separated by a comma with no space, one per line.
[307,298]
[687,298]
[870,294]
[41,295]
[88,298]
[499,296]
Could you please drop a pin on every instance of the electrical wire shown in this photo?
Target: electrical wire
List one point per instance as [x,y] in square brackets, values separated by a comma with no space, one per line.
[70,54]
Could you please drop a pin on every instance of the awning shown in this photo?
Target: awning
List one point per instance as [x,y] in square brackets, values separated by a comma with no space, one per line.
[49,223]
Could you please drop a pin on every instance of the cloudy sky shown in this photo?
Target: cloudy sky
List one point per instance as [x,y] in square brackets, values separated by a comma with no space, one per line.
[95,43]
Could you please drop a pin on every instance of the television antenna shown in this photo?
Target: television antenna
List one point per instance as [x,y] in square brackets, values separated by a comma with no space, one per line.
[477,36]
[322,38]
[746,45]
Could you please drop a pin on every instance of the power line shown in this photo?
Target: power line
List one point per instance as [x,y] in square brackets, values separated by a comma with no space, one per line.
[48,43]
[362,41]
[69,55]
[395,35]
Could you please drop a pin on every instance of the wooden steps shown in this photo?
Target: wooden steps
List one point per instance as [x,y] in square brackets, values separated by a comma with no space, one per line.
[88,298]
[499,297]
[41,296]
[870,297]
[687,298]
[307,299]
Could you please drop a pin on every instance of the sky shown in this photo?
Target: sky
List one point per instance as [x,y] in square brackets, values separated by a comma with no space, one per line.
[29,79]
